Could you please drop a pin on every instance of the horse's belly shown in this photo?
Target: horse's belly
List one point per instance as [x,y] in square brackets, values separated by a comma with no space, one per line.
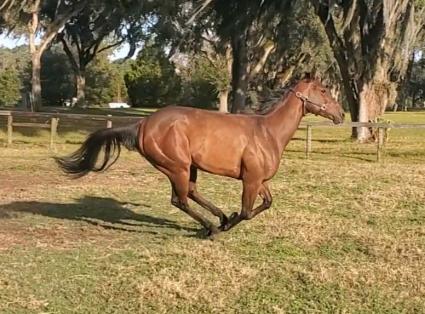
[218,162]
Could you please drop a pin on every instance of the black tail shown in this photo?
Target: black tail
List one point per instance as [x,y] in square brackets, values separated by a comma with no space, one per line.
[82,161]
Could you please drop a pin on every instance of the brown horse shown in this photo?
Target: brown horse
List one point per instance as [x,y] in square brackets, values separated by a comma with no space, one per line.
[178,141]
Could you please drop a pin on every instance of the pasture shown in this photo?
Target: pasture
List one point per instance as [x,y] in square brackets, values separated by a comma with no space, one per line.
[344,234]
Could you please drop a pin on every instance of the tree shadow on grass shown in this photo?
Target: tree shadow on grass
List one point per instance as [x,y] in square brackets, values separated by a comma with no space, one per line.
[107,213]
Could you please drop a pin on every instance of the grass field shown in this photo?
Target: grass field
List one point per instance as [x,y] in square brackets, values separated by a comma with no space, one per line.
[344,235]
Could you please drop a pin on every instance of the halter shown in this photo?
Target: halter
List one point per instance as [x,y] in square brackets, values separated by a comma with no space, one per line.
[305,100]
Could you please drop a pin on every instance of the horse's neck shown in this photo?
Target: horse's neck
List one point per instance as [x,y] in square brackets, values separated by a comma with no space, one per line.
[284,119]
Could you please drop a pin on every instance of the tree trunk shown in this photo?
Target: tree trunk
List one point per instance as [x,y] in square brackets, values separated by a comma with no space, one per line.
[395,108]
[363,133]
[413,104]
[239,72]
[78,64]
[46,38]
[405,89]
[376,95]
[223,96]
[35,100]
[36,82]
[80,83]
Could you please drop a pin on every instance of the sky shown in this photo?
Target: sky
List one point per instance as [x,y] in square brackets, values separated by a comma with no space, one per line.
[10,42]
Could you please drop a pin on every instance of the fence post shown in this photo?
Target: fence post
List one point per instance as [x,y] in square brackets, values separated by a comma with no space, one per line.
[109,122]
[380,144]
[9,129]
[53,131]
[308,142]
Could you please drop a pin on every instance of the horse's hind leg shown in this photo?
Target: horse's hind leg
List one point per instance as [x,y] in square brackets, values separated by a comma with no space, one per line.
[198,198]
[180,191]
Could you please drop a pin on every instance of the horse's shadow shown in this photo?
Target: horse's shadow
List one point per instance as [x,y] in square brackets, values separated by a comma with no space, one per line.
[107,213]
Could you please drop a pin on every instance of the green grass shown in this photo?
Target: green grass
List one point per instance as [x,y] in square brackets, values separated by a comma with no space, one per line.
[344,234]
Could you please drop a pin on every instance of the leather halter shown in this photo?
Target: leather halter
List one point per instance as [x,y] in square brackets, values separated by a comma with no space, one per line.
[304,99]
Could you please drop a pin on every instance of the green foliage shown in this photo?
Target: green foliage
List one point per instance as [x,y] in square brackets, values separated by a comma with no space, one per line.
[152,79]
[104,82]
[57,81]
[10,86]
[14,74]
[212,71]
[420,3]
[203,79]
[117,84]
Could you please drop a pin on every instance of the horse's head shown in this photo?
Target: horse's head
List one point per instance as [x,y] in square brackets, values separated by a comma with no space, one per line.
[318,100]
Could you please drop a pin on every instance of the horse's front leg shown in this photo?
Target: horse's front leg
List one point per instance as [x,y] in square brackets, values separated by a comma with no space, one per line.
[267,201]
[251,189]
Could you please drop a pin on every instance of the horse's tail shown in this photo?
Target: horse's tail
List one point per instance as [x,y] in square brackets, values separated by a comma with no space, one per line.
[84,160]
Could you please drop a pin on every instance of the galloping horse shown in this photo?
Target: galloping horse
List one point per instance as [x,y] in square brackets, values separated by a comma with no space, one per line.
[178,141]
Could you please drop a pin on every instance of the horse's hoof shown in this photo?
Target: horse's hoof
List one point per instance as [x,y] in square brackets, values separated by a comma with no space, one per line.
[233,215]
[212,233]
[224,220]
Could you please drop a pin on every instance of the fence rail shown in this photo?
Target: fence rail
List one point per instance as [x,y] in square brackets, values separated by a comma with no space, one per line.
[54,118]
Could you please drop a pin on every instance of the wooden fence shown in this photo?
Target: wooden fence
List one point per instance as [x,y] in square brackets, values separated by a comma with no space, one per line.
[382,129]
[52,122]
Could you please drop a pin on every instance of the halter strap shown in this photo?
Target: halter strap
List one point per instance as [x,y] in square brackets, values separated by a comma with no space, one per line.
[322,107]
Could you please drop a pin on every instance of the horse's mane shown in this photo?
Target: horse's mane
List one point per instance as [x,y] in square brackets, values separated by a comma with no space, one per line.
[270,98]
[267,102]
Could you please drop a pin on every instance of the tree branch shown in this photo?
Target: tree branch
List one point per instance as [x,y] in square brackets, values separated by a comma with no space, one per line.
[69,53]
[198,11]
[111,45]
[268,48]
[349,9]
[58,23]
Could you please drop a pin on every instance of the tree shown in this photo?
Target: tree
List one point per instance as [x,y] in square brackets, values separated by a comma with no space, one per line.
[15,74]
[152,80]
[44,19]
[371,41]
[104,82]
[412,93]
[200,82]
[238,31]
[189,35]
[248,26]
[10,86]
[56,77]
[100,26]
[215,69]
